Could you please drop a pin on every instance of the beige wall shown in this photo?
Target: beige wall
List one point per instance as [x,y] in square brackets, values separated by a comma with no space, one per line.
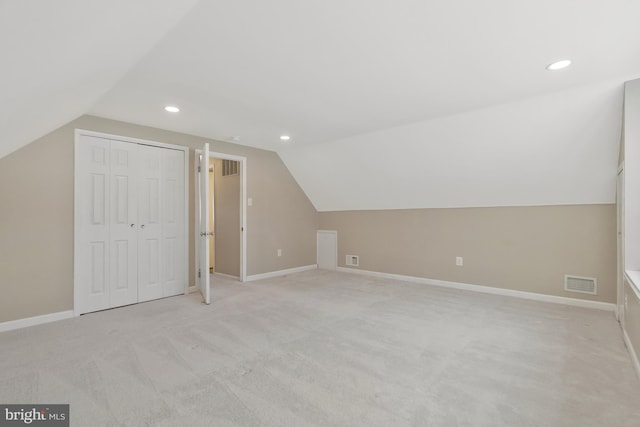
[227,221]
[36,215]
[632,317]
[522,248]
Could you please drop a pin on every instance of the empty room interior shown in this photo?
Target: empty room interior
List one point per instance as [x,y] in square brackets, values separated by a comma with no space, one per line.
[375,213]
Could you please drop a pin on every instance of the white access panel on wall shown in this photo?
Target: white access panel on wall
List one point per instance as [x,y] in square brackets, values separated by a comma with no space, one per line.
[130,228]
[327,249]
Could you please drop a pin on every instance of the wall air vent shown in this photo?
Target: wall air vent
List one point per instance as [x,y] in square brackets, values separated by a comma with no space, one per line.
[353,260]
[230,167]
[584,285]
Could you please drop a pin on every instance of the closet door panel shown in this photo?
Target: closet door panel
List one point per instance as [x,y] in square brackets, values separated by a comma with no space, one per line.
[129,222]
[124,224]
[173,222]
[92,223]
[150,189]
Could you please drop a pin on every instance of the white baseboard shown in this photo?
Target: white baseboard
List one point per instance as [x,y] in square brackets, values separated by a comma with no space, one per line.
[281,272]
[632,352]
[487,289]
[229,276]
[36,320]
[193,289]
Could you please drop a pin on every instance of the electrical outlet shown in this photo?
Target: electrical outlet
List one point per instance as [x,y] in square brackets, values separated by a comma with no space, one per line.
[459,261]
[279,252]
[249,201]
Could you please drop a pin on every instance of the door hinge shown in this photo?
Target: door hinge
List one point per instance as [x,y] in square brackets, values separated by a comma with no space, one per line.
[199,275]
[199,168]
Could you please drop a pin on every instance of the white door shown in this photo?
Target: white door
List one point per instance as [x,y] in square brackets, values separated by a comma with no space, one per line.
[204,234]
[173,222]
[150,265]
[91,223]
[620,230]
[327,249]
[212,217]
[123,240]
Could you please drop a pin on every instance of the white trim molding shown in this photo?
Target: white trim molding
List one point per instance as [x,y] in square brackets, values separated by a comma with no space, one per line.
[632,352]
[36,320]
[488,290]
[279,273]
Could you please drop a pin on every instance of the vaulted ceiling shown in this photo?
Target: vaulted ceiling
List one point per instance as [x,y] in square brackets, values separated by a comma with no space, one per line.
[389,104]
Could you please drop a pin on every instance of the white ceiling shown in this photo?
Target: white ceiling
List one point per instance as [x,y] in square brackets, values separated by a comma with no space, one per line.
[336,76]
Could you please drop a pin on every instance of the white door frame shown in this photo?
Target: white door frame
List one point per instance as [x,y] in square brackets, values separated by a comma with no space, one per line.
[243,209]
[77,134]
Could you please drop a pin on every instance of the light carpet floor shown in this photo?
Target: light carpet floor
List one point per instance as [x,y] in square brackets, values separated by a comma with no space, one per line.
[322,348]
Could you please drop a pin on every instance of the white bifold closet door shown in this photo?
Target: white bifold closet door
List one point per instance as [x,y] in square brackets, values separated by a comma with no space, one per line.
[123,235]
[161,217]
[129,223]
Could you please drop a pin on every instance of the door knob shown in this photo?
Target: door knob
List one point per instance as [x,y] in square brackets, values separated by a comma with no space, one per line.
[142,226]
[132,225]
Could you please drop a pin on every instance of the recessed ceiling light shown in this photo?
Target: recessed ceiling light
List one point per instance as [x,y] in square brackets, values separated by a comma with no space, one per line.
[559,65]
[172,109]
[285,137]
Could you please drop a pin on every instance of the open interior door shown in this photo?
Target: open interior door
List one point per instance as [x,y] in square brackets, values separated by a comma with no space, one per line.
[205,233]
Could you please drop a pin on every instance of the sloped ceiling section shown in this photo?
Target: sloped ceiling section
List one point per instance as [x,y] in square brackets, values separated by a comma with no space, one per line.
[59,57]
[560,148]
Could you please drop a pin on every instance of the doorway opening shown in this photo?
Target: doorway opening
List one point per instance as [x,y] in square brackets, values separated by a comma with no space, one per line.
[224,217]
[220,229]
